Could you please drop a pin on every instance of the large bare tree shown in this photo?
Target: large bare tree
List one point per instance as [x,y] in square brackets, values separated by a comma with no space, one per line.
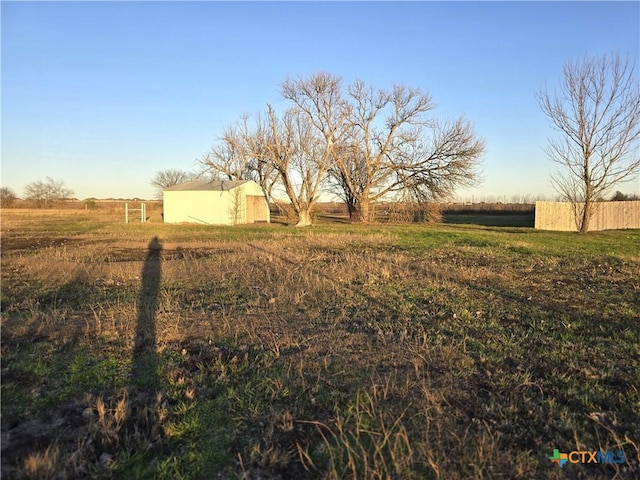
[393,147]
[299,155]
[596,110]
[320,107]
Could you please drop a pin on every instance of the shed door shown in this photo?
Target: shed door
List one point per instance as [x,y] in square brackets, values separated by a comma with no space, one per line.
[256,209]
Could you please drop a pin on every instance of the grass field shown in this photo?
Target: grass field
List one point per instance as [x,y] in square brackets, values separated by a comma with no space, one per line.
[491,220]
[449,351]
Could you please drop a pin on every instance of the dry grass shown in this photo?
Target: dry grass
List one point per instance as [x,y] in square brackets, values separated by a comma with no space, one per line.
[337,352]
[42,464]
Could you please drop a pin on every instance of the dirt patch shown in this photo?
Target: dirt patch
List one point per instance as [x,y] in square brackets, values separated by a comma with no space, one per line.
[24,436]
[10,244]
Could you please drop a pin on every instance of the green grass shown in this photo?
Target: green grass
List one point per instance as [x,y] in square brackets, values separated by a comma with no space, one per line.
[495,220]
[339,351]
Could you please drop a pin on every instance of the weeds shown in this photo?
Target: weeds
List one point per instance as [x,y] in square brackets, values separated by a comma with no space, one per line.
[365,444]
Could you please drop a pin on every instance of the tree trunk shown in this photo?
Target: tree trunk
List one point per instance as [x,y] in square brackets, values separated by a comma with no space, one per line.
[351,208]
[304,218]
[586,216]
[362,211]
[588,201]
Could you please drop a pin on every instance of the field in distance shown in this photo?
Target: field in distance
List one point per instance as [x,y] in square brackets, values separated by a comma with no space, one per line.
[339,351]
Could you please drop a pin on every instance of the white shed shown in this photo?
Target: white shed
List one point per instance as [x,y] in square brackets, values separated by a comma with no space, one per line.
[218,202]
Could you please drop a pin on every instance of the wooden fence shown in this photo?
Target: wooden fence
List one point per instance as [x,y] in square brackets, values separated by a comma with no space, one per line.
[607,216]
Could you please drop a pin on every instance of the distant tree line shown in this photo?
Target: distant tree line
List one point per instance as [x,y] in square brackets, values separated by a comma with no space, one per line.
[621,197]
[42,192]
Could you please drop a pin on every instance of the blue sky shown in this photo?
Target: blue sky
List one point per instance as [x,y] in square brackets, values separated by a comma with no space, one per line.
[104,94]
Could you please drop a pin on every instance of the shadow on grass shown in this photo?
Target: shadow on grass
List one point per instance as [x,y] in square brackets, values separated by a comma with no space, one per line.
[118,418]
[144,370]
[135,411]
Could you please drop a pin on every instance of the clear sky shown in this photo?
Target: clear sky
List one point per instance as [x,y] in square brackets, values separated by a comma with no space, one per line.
[104,94]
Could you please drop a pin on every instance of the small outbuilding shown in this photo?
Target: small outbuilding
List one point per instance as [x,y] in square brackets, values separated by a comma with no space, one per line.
[217,202]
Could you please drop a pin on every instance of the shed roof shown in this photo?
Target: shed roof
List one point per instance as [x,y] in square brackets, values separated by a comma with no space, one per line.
[214,185]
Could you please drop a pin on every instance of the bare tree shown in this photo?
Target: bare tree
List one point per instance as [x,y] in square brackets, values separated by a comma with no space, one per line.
[300,158]
[7,196]
[368,143]
[228,158]
[432,169]
[240,154]
[320,109]
[45,192]
[168,178]
[597,112]
[347,177]
[393,147]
